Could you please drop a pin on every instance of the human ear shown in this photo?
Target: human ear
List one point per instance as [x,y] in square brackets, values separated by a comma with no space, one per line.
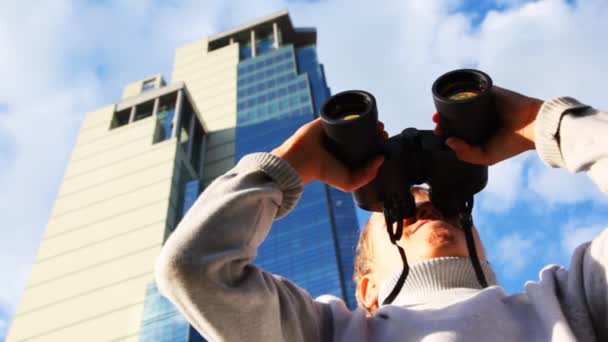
[368,292]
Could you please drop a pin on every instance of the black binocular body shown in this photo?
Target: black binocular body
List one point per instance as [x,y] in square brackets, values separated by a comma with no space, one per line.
[464,101]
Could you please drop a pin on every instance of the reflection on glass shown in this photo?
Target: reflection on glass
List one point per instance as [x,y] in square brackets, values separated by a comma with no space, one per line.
[148,85]
[191,192]
[313,246]
[164,122]
[162,322]
[245,52]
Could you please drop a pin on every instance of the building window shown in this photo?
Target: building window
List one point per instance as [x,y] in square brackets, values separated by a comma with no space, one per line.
[245,52]
[191,137]
[264,45]
[183,134]
[198,147]
[144,110]
[120,118]
[148,85]
[191,191]
[162,322]
[164,117]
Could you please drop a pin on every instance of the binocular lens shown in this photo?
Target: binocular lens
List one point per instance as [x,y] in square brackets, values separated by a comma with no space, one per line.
[347,106]
[464,101]
[462,90]
[349,120]
[351,117]
[463,95]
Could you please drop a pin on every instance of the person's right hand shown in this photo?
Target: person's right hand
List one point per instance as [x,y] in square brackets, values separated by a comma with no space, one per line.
[304,151]
[517,115]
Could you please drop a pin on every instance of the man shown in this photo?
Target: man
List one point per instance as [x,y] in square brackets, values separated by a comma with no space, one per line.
[206,268]
[429,236]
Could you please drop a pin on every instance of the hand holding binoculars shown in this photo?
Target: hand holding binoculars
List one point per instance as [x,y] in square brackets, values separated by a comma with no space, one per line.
[465,104]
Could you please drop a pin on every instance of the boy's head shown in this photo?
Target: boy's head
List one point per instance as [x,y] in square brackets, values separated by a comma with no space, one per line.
[429,235]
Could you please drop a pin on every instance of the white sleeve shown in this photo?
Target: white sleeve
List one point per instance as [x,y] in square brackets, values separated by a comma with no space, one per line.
[206,270]
[574,136]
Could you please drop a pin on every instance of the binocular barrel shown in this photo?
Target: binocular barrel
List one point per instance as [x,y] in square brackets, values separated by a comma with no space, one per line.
[466,110]
[465,104]
[349,121]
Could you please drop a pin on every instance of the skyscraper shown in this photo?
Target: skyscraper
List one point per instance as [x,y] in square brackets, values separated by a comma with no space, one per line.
[139,164]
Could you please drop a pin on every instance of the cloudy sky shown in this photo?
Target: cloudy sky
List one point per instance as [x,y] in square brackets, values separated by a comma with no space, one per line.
[61,59]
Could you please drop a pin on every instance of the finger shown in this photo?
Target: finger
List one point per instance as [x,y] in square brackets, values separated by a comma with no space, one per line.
[438,130]
[314,124]
[380,126]
[381,134]
[435,117]
[364,175]
[333,172]
[465,152]
[339,176]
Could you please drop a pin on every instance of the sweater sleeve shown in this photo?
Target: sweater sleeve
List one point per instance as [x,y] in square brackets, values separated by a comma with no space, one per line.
[575,136]
[205,267]
[583,290]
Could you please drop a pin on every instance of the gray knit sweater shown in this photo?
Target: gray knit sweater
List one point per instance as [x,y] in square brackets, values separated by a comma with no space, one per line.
[206,269]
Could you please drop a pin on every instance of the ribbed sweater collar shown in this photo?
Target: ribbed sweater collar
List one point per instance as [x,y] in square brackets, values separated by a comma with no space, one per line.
[435,279]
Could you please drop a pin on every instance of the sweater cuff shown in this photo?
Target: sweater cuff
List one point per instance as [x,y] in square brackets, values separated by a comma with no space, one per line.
[546,129]
[281,172]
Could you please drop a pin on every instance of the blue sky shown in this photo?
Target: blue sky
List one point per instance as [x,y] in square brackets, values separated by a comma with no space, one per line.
[63,58]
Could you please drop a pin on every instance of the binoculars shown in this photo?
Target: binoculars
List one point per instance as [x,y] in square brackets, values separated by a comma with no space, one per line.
[465,104]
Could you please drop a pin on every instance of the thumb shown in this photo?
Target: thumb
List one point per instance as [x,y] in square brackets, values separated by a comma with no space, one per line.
[466,152]
[366,174]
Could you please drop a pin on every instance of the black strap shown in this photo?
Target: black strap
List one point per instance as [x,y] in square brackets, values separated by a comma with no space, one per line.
[390,218]
[467,224]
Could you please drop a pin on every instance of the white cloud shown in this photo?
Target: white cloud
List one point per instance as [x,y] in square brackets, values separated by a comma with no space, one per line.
[573,235]
[54,51]
[504,187]
[558,186]
[513,252]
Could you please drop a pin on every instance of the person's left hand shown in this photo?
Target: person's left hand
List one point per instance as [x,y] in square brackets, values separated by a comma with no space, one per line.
[517,115]
[305,153]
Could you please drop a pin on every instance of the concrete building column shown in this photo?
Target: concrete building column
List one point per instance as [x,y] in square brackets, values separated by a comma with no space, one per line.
[191,135]
[252,43]
[132,115]
[275,33]
[201,167]
[155,108]
[177,113]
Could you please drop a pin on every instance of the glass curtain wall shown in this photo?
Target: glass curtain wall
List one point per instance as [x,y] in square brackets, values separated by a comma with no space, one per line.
[162,322]
[313,246]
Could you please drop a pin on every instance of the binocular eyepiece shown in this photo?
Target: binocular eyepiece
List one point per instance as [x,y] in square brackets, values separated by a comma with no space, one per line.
[464,101]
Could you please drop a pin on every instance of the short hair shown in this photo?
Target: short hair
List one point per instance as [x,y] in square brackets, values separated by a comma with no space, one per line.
[364,254]
[363,259]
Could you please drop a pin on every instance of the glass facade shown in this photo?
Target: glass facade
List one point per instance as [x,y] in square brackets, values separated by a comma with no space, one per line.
[314,245]
[162,322]
[190,194]
[265,44]
[164,122]
[279,90]
[148,85]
